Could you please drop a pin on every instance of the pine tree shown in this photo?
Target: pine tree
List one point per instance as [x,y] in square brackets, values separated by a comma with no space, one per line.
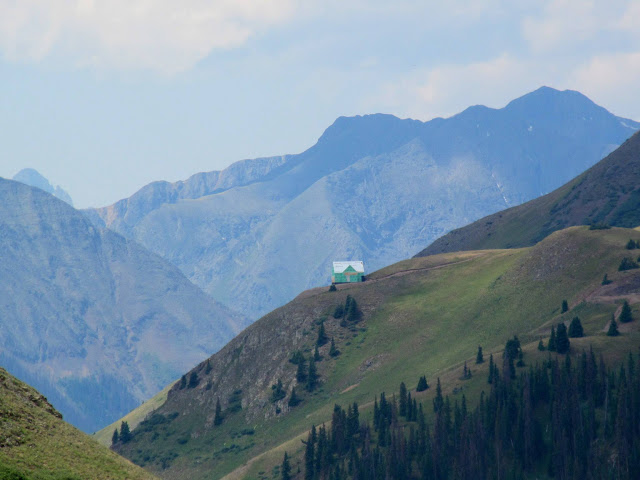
[575,328]
[438,402]
[422,384]
[183,382]
[207,368]
[278,392]
[125,432]
[541,345]
[565,306]
[294,399]
[605,280]
[285,469]
[114,438]
[552,340]
[613,328]
[333,351]
[301,373]
[332,288]
[631,245]
[316,355]
[625,314]
[479,357]
[403,400]
[491,367]
[353,313]
[322,336]
[312,376]
[562,339]
[217,419]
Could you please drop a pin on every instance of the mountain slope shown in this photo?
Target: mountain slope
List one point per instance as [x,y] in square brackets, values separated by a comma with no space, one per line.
[93,320]
[36,444]
[607,193]
[420,316]
[376,188]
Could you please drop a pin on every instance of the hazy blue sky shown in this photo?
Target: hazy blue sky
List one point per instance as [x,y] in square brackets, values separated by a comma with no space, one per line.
[104,96]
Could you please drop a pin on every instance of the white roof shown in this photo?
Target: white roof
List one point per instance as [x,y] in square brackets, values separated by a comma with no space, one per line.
[339,267]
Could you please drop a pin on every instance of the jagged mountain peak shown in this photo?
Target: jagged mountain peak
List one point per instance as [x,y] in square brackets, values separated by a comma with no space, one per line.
[30,176]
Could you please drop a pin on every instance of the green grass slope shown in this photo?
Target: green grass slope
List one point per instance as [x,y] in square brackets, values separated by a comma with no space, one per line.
[609,192]
[421,316]
[35,443]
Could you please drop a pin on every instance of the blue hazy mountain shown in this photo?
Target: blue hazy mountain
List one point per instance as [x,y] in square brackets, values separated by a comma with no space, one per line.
[375,188]
[30,176]
[96,322]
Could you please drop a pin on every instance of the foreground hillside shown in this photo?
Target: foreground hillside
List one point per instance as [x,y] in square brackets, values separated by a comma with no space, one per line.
[91,319]
[607,193]
[35,444]
[424,316]
[375,188]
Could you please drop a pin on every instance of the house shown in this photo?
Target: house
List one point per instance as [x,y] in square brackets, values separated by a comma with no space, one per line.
[348,272]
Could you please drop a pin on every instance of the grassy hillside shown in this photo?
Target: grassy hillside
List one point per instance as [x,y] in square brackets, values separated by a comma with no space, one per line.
[608,193]
[35,443]
[421,316]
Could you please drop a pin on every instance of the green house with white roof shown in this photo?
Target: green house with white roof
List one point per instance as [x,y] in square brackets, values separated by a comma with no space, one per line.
[349,271]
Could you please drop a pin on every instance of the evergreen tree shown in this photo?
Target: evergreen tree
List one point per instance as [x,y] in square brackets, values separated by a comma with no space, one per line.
[277,392]
[316,355]
[491,367]
[339,311]
[285,469]
[552,340]
[575,328]
[125,432]
[322,336]
[605,280]
[312,376]
[114,438]
[422,384]
[294,399]
[332,288]
[627,264]
[301,373]
[217,419]
[479,357]
[333,351]
[541,345]
[183,382]
[565,306]
[403,400]
[207,368]
[631,245]
[438,401]
[625,314]
[562,339]
[193,380]
[353,313]
[613,328]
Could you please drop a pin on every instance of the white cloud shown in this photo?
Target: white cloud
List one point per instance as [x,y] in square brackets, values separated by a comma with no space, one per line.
[609,79]
[160,35]
[448,89]
[563,25]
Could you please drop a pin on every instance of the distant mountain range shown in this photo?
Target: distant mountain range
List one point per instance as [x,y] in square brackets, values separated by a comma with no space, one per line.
[374,188]
[93,320]
[606,194]
[30,176]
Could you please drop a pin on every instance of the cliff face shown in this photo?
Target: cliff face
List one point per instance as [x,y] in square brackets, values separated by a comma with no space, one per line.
[93,320]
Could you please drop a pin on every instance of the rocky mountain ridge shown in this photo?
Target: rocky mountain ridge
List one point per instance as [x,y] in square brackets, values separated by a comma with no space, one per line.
[374,187]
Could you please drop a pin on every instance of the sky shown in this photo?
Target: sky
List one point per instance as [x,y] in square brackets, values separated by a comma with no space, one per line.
[105,96]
